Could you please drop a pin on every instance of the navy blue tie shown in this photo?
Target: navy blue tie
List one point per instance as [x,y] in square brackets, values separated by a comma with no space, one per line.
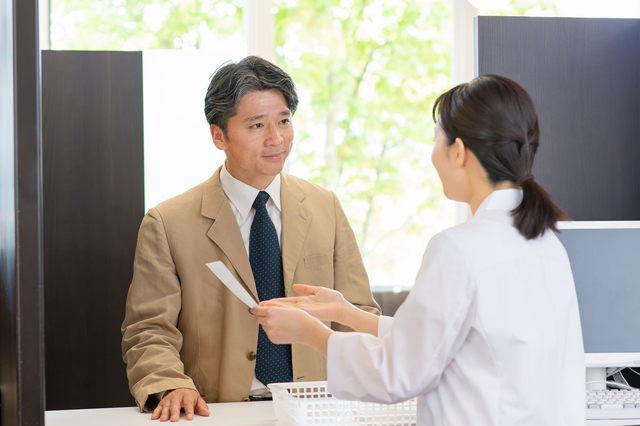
[273,362]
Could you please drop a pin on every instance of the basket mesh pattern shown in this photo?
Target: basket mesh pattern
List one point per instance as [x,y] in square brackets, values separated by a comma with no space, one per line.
[309,403]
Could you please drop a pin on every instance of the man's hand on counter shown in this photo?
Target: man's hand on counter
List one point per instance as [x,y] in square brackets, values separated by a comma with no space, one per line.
[175,400]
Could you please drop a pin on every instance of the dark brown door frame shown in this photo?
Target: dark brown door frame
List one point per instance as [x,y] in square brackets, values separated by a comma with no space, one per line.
[21,283]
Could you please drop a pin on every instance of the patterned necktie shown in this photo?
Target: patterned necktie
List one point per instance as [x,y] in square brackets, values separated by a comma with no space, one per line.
[273,362]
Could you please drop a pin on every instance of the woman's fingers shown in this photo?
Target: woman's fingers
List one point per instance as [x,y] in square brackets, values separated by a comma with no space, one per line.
[259,311]
[306,289]
[282,325]
[282,301]
[290,325]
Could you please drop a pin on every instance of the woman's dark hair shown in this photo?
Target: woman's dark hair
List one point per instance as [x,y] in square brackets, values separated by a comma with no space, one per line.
[230,82]
[496,119]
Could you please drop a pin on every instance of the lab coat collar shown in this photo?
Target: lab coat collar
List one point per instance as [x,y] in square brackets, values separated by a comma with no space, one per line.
[503,199]
[242,195]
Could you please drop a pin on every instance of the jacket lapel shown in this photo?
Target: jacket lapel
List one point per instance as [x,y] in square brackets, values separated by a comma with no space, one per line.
[296,219]
[225,232]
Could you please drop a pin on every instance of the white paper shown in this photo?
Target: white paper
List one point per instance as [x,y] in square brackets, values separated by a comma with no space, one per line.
[232,283]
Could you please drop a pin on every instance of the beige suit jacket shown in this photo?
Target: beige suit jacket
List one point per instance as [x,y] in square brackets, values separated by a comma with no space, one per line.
[184,329]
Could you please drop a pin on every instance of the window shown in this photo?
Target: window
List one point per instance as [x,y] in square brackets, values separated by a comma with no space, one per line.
[367,71]
[569,8]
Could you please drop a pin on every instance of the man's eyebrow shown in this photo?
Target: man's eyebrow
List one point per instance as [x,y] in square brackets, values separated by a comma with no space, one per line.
[254,118]
[286,113]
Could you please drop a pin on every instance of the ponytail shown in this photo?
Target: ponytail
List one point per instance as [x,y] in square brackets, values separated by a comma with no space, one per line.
[496,119]
[537,212]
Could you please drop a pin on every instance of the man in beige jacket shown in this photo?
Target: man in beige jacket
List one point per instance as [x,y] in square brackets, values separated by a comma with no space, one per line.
[187,339]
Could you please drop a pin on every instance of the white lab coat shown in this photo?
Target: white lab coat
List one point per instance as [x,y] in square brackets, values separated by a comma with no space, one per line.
[489,335]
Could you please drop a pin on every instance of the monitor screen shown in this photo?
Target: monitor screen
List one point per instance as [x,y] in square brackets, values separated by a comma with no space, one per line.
[606,271]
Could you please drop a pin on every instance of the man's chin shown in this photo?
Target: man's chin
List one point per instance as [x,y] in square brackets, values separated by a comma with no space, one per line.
[273,167]
[273,171]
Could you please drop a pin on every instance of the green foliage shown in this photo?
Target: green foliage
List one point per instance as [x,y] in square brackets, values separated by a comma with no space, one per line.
[372,70]
[368,72]
[529,7]
[141,24]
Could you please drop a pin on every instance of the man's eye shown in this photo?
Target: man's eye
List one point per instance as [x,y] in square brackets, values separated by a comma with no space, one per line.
[257,125]
[285,121]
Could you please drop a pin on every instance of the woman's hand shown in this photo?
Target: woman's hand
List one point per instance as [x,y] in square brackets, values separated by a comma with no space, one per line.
[322,303]
[292,325]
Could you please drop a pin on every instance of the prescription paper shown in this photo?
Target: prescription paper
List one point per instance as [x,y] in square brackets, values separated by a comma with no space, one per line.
[232,283]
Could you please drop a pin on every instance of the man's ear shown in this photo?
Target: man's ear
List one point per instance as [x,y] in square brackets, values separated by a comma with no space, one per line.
[218,137]
[461,152]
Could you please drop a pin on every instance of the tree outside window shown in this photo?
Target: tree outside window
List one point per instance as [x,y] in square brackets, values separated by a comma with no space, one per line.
[367,71]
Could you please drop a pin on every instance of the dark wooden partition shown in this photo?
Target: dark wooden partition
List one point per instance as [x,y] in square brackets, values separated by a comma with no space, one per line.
[584,76]
[21,305]
[93,206]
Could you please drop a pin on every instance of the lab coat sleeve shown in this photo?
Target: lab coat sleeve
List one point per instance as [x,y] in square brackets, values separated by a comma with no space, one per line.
[425,334]
[384,325]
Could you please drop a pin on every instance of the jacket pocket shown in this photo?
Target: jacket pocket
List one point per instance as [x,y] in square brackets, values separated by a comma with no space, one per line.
[318,260]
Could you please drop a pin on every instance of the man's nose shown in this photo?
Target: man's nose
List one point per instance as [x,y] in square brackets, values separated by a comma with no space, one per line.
[274,135]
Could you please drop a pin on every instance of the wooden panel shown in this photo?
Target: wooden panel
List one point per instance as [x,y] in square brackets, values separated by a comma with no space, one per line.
[21,305]
[8,362]
[584,77]
[94,203]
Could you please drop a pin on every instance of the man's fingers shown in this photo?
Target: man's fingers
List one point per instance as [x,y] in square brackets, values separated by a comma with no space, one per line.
[165,413]
[188,408]
[176,406]
[170,406]
[156,413]
[202,408]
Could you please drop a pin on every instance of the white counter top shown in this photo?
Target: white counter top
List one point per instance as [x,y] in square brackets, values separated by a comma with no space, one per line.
[230,414]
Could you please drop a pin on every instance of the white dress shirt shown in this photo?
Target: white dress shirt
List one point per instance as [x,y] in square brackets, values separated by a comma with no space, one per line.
[489,335]
[241,197]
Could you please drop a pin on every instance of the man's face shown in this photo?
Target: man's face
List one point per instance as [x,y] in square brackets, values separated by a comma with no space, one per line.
[259,138]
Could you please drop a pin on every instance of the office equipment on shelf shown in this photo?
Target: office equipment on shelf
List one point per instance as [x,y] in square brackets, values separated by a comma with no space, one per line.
[613,404]
[309,403]
[605,260]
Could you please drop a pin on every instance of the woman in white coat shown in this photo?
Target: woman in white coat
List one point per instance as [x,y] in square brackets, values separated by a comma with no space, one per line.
[490,333]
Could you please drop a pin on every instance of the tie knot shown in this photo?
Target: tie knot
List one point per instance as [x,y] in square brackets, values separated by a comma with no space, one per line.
[261,200]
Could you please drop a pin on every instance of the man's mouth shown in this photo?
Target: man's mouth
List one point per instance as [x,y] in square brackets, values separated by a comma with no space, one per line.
[275,156]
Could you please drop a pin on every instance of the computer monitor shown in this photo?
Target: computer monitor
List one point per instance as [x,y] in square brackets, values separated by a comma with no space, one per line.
[605,260]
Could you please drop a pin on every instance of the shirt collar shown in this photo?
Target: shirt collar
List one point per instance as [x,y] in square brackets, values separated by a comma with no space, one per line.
[242,195]
[503,199]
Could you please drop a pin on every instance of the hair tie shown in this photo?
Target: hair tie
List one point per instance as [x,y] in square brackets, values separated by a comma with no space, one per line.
[523,179]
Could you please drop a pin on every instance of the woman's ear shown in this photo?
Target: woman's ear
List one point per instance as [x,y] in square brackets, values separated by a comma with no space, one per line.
[461,153]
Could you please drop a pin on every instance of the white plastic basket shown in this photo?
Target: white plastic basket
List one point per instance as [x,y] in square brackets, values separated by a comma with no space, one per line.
[309,403]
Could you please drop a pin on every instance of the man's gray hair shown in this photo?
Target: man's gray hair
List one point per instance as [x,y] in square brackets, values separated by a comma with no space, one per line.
[230,82]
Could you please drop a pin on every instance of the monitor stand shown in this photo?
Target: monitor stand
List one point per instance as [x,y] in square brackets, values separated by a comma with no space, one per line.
[596,374]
